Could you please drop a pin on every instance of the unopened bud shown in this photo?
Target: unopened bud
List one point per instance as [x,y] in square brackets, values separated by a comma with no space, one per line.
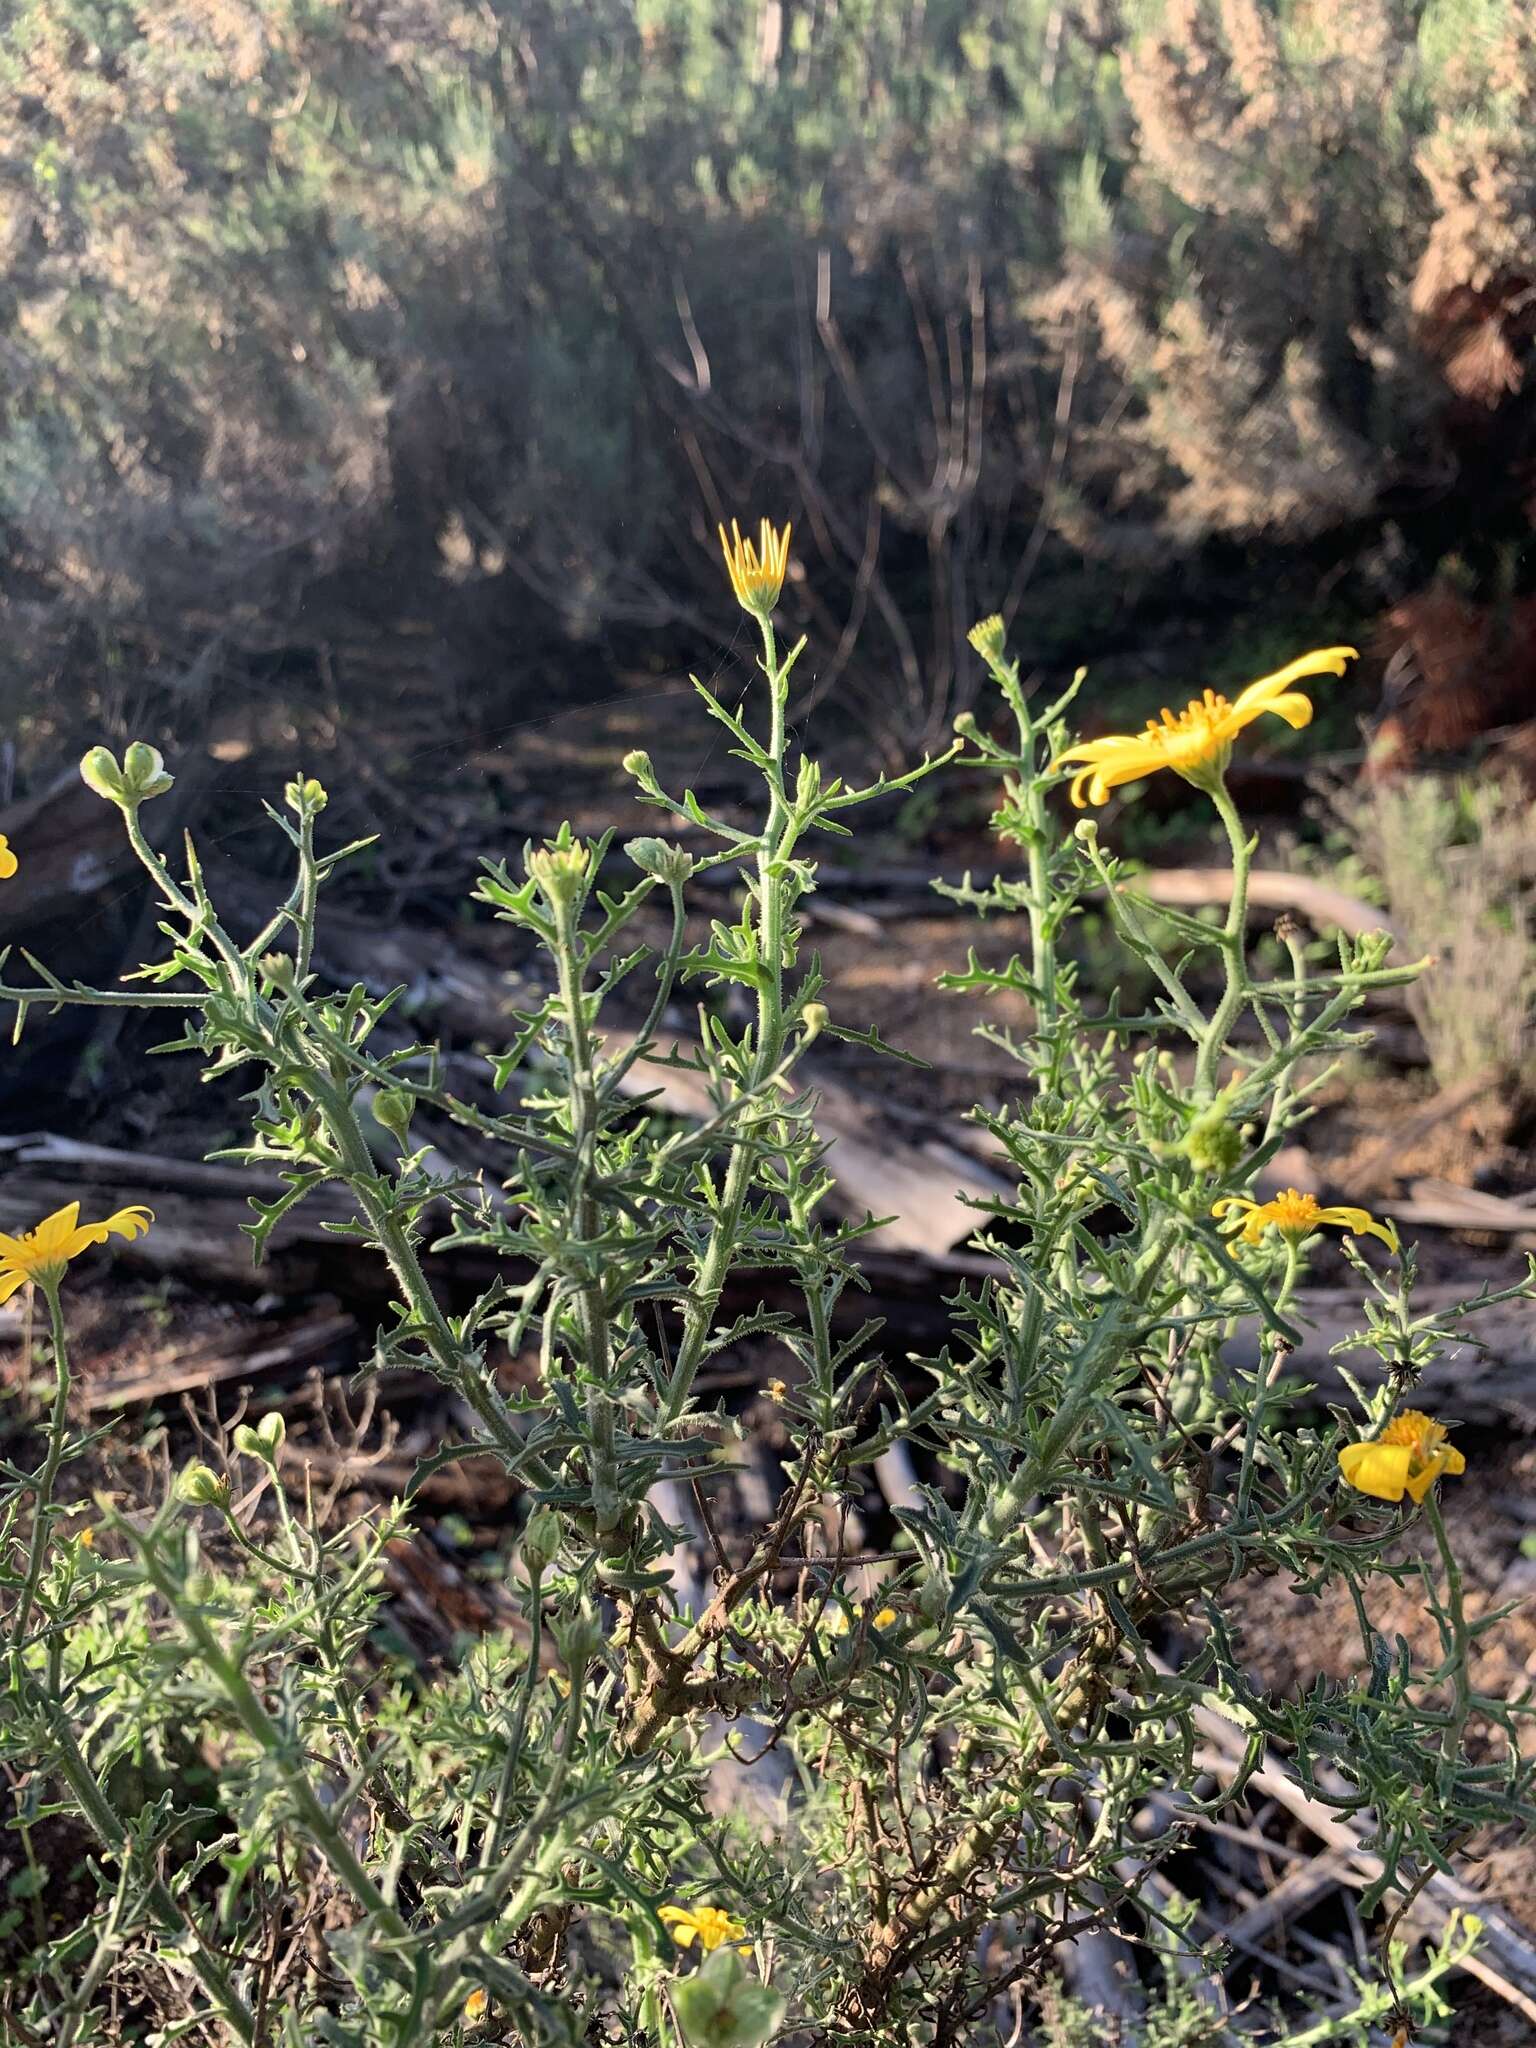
[201,1487]
[637,762]
[263,1440]
[394,1108]
[1211,1144]
[814,1018]
[658,857]
[139,776]
[278,971]
[578,1639]
[306,794]
[933,1598]
[560,871]
[541,1540]
[989,636]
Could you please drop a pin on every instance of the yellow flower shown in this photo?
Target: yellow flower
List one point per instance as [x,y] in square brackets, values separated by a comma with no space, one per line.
[42,1254]
[476,2006]
[756,573]
[8,861]
[776,1390]
[1408,1457]
[1295,1216]
[706,1925]
[840,1625]
[1197,742]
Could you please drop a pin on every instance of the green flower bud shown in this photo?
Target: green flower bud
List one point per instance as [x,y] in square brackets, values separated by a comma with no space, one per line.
[637,762]
[278,971]
[814,1019]
[541,1539]
[722,2005]
[1212,1144]
[140,776]
[200,1487]
[306,794]
[560,870]
[933,1598]
[965,724]
[578,1639]
[394,1108]
[263,1440]
[989,636]
[657,857]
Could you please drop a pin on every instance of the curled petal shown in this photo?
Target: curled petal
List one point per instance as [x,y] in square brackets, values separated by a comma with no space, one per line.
[1293,707]
[129,1223]
[1261,696]
[1360,1223]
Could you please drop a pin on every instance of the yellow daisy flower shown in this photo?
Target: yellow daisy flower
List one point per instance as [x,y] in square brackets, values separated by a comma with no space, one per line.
[476,2006]
[756,573]
[707,1925]
[776,1390]
[8,861]
[1197,741]
[1408,1457]
[1295,1216]
[42,1254]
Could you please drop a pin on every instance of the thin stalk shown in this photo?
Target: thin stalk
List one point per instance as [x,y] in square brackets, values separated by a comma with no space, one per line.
[1461,1640]
[48,1472]
[771,848]
[1234,943]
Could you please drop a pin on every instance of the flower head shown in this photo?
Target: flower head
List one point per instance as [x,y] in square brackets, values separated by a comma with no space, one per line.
[1408,1457]
[43,1253]
[706,1925]
[8,861]
[989,637]
[756,573]
[1295,1216]
[476,2006]
[1197,741]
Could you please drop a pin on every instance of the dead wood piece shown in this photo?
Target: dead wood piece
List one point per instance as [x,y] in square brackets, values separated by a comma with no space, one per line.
[244,1356]
[1506,1961]
[1490,1381]
[877,1174]
[139,1169]
[1268,889]
[472,1485]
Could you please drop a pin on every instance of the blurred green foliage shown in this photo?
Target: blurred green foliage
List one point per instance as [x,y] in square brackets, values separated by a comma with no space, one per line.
[525,294]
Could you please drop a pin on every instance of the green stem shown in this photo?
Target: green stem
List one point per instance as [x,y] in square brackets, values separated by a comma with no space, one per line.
[582,1107]
[1234,943]
[1268,1367]
[1461,1641]
[48,1472]
[771,849]
[495,1834]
